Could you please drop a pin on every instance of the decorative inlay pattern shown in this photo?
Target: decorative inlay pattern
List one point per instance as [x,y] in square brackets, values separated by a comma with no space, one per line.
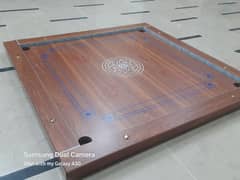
[122,66]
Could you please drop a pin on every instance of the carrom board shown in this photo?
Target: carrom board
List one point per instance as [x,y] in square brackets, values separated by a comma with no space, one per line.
[107,94]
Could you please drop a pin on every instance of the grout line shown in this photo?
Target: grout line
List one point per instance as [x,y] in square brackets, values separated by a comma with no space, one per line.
[88,5]
[6,69]
[180,162]
[14,10]
[189,37]
[137,1]
[68,19]
[234,29]
[225,3]
[229,13]
[187,7]
[137,12]
[183,19]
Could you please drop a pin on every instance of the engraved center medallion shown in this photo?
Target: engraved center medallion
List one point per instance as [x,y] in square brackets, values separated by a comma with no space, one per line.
[122,66]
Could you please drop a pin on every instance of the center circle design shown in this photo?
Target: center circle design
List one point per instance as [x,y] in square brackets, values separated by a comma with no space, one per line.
[122,66]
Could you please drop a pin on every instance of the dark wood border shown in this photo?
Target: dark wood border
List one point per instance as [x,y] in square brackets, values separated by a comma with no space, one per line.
[153,135]
[171,38]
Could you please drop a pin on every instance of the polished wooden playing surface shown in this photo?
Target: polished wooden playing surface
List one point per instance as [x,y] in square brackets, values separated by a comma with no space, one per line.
[123,88]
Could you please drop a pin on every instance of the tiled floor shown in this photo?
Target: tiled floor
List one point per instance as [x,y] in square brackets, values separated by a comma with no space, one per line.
[207,153]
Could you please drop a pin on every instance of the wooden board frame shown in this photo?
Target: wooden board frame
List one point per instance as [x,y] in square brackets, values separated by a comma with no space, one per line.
[111,147]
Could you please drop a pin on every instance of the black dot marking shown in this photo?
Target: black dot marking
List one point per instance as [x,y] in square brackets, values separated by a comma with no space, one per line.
[234,29]
[190,37]
[186,7]
[237,84]
[229,13]
[84,140]
[225,3]
[25,48]
[137,12]
[7,69]
[183,19]
[68,19]
[138,1]
[14,10]
[88,5]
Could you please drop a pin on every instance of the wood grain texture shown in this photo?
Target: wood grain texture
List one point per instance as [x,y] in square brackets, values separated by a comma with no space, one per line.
[75,97]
